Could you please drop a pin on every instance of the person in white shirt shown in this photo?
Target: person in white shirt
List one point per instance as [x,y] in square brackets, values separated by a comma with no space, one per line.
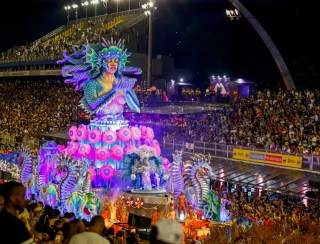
[93,235]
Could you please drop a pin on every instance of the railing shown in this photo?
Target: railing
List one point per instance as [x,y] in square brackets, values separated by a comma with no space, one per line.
[61,28]
[309,162]
[133,22]
[50,34]
[111,16]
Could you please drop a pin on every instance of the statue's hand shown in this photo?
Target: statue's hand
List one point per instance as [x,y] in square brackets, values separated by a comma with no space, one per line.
[124,83]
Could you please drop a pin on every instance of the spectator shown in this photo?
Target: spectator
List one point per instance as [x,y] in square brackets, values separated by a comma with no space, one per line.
[93,235]
[12,229]
[166,231]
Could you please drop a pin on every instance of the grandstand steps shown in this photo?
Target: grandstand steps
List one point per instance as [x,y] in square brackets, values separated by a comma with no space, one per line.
[49,36]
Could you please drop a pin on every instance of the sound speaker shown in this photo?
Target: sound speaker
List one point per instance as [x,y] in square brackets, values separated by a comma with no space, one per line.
[139,221]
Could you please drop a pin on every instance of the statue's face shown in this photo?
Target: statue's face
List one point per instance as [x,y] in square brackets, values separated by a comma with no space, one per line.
[112,65]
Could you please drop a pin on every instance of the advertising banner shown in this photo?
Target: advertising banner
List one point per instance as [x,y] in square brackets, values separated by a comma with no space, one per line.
[268,158]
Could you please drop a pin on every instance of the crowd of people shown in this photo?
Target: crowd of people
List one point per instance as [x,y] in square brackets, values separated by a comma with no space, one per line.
[27,221]
[265,218]
[283,121]
[31,108]
[51,49]
[271,218]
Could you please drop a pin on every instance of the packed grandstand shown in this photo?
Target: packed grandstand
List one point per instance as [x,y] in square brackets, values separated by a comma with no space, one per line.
[276,121]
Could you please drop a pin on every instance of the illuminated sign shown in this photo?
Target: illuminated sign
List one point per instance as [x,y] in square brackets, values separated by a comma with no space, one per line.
[268,158]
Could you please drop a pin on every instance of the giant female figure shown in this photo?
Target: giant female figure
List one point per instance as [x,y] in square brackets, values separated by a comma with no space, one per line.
[98,69]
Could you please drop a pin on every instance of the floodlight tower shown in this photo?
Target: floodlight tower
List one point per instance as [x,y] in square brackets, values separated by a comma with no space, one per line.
[148,10]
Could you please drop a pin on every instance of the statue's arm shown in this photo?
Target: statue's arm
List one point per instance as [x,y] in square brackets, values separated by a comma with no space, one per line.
[91,95]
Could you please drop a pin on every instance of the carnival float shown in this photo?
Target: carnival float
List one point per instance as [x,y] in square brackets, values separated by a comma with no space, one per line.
[108,167]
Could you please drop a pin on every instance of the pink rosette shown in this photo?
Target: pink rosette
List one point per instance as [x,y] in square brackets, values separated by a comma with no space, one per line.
[109,137]
[130,149]
[102,153]
[107,172]
[153,151]
[124,134]
[82,133]
[94,136]
[73,147]
[157,150]
[84,150]
[143,130]
[73,132]
[150,133]
[135,133]
[117,152]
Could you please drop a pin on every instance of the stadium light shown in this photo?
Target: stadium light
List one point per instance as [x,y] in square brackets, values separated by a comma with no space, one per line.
[105,4]
[95,3]
[148,11]
[75,6]
[85,5]
[233,14]
[117,5]
[67,8]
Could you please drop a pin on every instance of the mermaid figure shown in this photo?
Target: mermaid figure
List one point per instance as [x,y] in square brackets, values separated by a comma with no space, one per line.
[99,70]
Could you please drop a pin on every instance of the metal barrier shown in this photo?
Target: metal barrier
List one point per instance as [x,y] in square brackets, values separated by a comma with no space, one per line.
[309,162]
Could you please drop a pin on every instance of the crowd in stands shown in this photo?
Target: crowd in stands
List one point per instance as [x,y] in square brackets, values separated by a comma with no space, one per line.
[286,121]
[31,108]
[28,221]
[51,49]
[265,218]
[271,218]
[283,121]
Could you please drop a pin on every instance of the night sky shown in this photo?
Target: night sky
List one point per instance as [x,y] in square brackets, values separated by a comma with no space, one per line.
[200,36]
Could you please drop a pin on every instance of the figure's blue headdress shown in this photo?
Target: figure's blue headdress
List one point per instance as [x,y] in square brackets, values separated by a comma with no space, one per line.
[90,62]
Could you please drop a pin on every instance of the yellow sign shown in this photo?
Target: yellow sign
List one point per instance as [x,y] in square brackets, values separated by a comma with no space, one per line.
[268,158]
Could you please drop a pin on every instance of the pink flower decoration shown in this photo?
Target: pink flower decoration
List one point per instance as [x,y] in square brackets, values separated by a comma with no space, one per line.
[158,150]
[136,133]
[143,130]
[84,150]
[107,172]
[130,149]
[149,132]
[124,134]
[61,148]
[73,133]
[94,136]
[117,152]
[102,153]
[73,147]
[109,137]
[82,133]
